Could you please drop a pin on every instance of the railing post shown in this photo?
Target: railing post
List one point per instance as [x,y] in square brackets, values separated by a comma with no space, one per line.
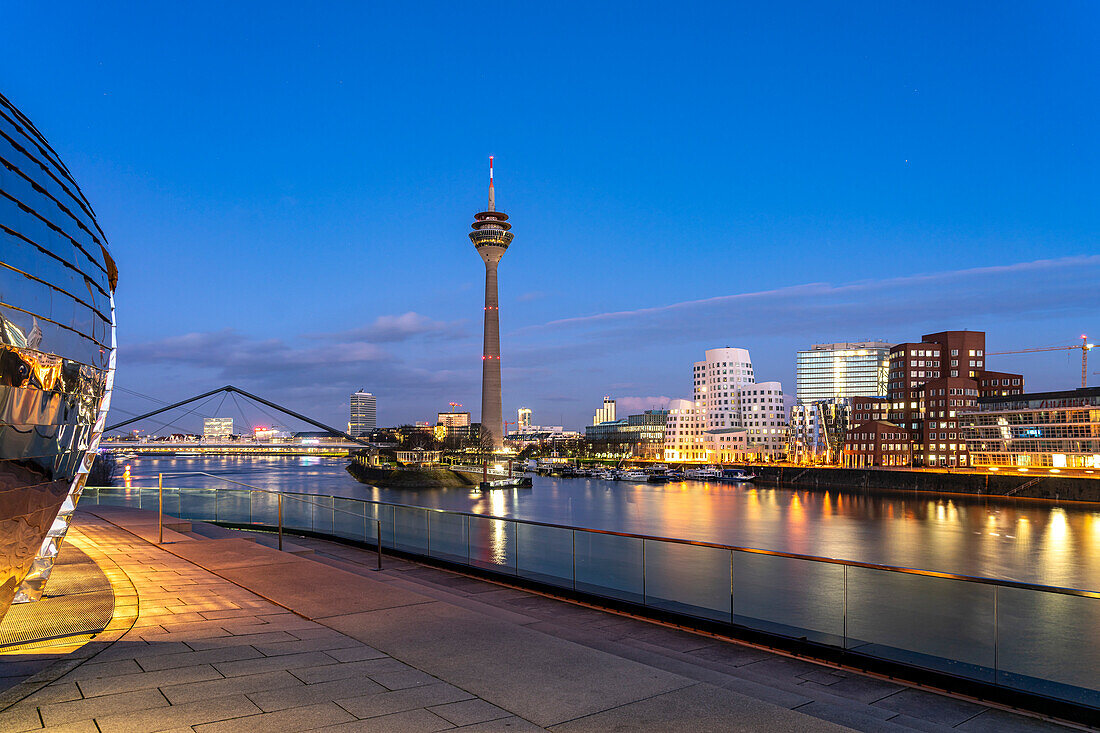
[160,507]
[378,524]
[845,641]
[996,639]
[280,520]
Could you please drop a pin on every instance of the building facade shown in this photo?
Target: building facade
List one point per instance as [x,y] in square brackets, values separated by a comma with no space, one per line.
[816,430]
[217,428]
[878,444]
[684,432]
[728,400]
[364,414]
[1053,431]
[837,371]
[605,413]
[637,436]
[523,418]
[453,419]
[934,380]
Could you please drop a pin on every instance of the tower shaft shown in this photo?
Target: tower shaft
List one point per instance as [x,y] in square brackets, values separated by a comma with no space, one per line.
[492,412]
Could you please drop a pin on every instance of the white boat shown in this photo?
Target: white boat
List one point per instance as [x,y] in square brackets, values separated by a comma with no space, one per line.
[633,476]
[702,474]
[737,475]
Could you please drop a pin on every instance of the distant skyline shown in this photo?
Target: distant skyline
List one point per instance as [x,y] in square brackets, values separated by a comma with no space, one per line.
[287,191]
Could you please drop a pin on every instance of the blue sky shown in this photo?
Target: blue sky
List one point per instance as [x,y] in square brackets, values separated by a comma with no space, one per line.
[287,189]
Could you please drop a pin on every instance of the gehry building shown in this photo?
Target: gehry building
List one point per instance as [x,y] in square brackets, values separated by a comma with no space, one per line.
[732,417]
[57,352]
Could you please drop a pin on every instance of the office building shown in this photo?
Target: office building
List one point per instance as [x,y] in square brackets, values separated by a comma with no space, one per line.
[1049,431]
[491,239]
[605,413]
[638,436]
[835,371]
[816,430]
[217,428]
[523,418]
[453,419]
[934,380]
[57,353]
[364,414]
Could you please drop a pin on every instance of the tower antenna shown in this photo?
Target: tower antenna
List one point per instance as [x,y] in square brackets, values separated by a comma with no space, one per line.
[492,203]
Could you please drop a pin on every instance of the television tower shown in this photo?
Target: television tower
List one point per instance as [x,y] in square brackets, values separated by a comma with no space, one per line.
[491,239]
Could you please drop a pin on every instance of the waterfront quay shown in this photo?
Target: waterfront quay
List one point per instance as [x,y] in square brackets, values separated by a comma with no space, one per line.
[213,630]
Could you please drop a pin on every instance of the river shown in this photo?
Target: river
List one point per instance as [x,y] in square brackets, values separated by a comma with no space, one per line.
[1017,539]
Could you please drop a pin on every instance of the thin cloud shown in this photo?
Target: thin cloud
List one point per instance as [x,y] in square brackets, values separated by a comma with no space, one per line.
[999,281]
[633,405]
[392,329]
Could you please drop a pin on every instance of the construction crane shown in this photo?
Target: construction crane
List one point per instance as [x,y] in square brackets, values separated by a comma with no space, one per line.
[454,405]
[1084,346]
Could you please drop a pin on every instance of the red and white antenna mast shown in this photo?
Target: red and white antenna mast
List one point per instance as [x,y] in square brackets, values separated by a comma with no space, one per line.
[492,202]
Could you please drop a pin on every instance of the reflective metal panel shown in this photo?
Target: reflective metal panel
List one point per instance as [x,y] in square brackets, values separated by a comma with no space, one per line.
[57,354]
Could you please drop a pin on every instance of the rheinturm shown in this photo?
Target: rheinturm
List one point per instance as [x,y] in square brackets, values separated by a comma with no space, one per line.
[491,239]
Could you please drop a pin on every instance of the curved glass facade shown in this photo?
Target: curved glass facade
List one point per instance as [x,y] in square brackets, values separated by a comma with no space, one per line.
[57,351]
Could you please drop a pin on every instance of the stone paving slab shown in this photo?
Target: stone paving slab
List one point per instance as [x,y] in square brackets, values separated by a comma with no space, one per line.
[700,708]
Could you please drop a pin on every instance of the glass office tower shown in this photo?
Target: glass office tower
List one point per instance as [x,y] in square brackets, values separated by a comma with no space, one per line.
[57,352]
[834,371]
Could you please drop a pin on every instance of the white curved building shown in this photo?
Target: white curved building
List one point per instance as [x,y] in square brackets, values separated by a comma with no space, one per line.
[732,418]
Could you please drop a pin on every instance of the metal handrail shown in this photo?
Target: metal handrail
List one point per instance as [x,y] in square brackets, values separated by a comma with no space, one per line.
[251,489]
[1003,582]
[755,550]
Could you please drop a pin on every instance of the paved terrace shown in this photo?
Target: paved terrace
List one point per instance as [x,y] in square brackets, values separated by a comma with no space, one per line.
[216,632]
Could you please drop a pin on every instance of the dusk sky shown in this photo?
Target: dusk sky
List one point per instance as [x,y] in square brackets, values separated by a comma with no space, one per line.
[287,188]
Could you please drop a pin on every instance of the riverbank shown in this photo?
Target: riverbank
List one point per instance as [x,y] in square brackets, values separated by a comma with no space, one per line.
[410,478]
[1068,488]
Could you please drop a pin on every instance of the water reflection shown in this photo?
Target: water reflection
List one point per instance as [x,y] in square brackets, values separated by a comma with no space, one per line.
[1017,539]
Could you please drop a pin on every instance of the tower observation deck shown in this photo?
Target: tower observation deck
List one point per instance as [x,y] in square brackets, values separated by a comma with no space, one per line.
[491,239]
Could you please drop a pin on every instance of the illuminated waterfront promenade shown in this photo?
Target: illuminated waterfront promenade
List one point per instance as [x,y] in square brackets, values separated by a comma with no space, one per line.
[233,447]
[232,635]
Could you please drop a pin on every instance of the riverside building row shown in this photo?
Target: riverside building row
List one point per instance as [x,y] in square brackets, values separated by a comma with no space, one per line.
[928,385]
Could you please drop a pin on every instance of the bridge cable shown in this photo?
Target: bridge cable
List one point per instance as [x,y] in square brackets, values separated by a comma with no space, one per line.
[170,423]
[244,418]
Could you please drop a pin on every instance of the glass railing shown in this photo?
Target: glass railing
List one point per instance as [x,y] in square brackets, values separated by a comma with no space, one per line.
[1037,639]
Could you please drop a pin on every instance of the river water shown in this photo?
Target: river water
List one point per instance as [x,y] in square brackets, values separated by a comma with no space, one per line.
[1017,539]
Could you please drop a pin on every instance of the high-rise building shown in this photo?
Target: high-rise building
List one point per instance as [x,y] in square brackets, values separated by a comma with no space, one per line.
[364,414]
[523,420]
[491,239]
[217,428]
[835,371]
[605,413]
[934,380]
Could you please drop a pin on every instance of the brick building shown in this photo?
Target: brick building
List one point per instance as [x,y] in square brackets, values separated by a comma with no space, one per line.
[931,381]
[866,409]
[878,443]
